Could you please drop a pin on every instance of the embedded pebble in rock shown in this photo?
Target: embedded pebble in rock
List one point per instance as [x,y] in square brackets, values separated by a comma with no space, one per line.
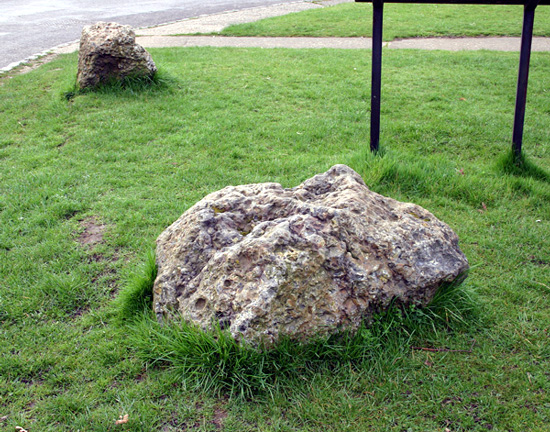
[264,261]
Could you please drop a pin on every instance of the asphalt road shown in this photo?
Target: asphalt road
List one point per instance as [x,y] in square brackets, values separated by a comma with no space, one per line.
[29,27]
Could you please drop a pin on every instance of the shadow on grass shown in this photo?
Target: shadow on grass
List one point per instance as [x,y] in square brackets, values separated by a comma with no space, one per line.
[212,361]
[392,173]
[521,167]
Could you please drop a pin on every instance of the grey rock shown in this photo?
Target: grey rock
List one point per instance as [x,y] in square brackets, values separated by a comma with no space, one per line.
[264,261]
[109,51]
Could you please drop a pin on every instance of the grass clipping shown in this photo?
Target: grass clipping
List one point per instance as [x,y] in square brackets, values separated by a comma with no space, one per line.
[214,362]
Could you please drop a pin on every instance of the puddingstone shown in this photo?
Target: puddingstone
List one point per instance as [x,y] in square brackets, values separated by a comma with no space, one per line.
[265,262]
[108,51]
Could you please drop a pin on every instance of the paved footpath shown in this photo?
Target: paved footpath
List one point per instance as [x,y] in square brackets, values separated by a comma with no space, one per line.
[167,35]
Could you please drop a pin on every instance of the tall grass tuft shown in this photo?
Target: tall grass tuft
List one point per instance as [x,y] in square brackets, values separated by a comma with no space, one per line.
[137,295]
[130,85]
[454,307]
[214,362]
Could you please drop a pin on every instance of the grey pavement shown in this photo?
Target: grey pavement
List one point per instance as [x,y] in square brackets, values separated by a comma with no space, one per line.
[28,27]
[170,35]
[448,44]
[468,43]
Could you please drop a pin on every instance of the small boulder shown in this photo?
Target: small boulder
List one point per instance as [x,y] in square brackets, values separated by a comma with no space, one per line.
[109,51]
[264,261]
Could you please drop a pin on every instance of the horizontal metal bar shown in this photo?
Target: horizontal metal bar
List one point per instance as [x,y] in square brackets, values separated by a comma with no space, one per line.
[488,2]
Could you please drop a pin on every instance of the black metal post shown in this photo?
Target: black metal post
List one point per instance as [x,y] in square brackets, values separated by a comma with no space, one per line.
[377,19]
[523,75]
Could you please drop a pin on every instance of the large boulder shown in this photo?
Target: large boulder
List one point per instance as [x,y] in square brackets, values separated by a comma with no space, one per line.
[264,261]
[108,51]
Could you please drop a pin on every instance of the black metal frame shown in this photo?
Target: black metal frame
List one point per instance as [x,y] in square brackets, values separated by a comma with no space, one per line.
[523,74]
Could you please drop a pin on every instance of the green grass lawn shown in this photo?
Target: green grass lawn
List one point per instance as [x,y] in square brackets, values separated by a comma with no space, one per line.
[124,164]
[400,21]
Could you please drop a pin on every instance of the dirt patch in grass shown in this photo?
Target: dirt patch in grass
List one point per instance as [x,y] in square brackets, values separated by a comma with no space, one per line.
[93,232]
[219,416]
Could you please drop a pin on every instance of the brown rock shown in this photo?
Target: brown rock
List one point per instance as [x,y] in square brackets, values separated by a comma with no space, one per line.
[109,51]
[265,261]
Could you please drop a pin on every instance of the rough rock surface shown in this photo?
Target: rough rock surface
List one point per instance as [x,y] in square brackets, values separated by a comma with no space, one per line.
[109,51]
[265,261]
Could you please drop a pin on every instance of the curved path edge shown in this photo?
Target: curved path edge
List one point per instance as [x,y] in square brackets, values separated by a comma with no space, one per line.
[162,36]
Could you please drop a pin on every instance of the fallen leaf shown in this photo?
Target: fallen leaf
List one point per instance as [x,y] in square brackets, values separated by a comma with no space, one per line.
[483,209]
[122,420]
[462,99]
[20,429]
